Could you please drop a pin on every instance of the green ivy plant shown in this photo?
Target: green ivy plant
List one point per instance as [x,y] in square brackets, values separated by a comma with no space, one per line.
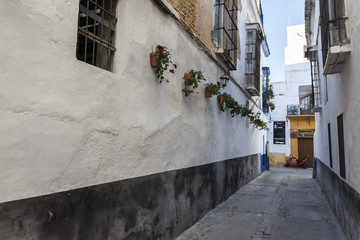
[163,55]
[229,103]
[236,109]
[192,78]
[255,119]
[270,101]
[213,88]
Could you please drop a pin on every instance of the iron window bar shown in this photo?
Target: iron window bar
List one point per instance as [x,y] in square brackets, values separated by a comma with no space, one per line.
[228,28]
[96,32]
[252,59]
[324,19]
[337,30]
[315,78]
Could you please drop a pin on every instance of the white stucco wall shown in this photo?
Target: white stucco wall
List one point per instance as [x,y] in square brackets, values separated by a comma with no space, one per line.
[297,73]
[279,114]
[343,98]
[296,40]
[66,124]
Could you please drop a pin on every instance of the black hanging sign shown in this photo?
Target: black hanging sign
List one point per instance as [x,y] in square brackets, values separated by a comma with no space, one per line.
[279,132]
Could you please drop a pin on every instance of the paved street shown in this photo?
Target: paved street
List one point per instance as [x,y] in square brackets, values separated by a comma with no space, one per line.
[283,203]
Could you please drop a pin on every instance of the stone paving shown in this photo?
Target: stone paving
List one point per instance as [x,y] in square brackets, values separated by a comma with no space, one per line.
[282,203]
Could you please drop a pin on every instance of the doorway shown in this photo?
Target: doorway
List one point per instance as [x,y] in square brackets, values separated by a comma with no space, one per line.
[306,150]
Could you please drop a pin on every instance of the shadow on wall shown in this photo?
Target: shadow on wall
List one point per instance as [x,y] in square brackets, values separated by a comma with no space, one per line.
[156,206]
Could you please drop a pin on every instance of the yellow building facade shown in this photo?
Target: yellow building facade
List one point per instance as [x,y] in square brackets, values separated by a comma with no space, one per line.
[302,129]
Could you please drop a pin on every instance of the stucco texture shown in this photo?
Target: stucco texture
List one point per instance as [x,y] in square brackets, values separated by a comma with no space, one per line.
[65,124]
[277,159]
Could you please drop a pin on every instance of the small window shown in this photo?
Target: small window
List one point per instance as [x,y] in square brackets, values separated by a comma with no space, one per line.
[252,58]
[330,148]
[340,125]
[96,32]
[225,28]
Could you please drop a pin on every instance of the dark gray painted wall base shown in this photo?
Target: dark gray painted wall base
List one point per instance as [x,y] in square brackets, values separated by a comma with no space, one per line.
[159,206]
[344,200]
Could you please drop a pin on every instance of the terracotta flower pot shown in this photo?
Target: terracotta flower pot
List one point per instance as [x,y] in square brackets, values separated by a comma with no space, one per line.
[221,99]
[208,94]
[238,111]
[188,77]
[154,62]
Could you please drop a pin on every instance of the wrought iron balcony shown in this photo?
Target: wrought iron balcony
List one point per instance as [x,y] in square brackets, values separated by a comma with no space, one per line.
[299,109]
[338,43]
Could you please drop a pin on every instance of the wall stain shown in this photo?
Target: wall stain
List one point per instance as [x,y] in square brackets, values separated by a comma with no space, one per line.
[148,207]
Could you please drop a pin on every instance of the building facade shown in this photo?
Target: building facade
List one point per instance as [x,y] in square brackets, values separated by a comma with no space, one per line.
[332,35]
[95,144]
[290,116]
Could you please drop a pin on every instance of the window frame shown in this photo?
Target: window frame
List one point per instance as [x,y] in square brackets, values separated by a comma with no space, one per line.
[254,38]
[341,145]
[225,32]
[96,30]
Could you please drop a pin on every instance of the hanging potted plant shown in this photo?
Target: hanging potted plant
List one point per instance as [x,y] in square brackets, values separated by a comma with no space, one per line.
[238,110]
[221,99]
[245,111]
[189,78]
[154,61]
[192,79]
[161,60]
[212,89]
[232,105]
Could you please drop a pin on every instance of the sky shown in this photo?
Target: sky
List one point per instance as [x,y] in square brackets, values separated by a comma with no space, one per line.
[278,14]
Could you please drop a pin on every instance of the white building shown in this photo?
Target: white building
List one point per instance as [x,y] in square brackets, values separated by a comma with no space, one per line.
[92,145]
[297,73]
[332,35]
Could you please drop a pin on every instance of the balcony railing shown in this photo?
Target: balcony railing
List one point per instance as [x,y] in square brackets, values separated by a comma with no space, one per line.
[336,46]
[299,109]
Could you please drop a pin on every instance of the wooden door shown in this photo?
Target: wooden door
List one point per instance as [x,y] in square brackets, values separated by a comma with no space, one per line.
[306,150]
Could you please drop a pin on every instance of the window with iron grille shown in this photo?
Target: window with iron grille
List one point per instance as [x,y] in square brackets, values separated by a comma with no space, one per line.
[225,28]
[325,35]
[96,32]
[333,25]
[337,23]
[252,58]
[315,77]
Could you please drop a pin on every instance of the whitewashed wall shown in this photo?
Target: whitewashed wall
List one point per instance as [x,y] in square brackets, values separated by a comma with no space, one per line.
[343,98]
[279,114]
[66,124]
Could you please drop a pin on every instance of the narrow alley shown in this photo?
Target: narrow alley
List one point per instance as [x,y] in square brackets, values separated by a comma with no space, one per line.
[158,119]
[280,204]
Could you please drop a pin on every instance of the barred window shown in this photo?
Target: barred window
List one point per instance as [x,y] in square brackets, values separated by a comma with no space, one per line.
[225,28]
[315,77]
[325,35]
[96,32]
[252,59]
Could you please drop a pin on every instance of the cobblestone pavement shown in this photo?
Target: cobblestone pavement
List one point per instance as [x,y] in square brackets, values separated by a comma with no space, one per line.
[283,203]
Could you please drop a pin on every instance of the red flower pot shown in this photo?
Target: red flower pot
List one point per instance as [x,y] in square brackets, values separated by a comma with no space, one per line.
[188,79]
[208,94]
[221,99]
[154,62]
